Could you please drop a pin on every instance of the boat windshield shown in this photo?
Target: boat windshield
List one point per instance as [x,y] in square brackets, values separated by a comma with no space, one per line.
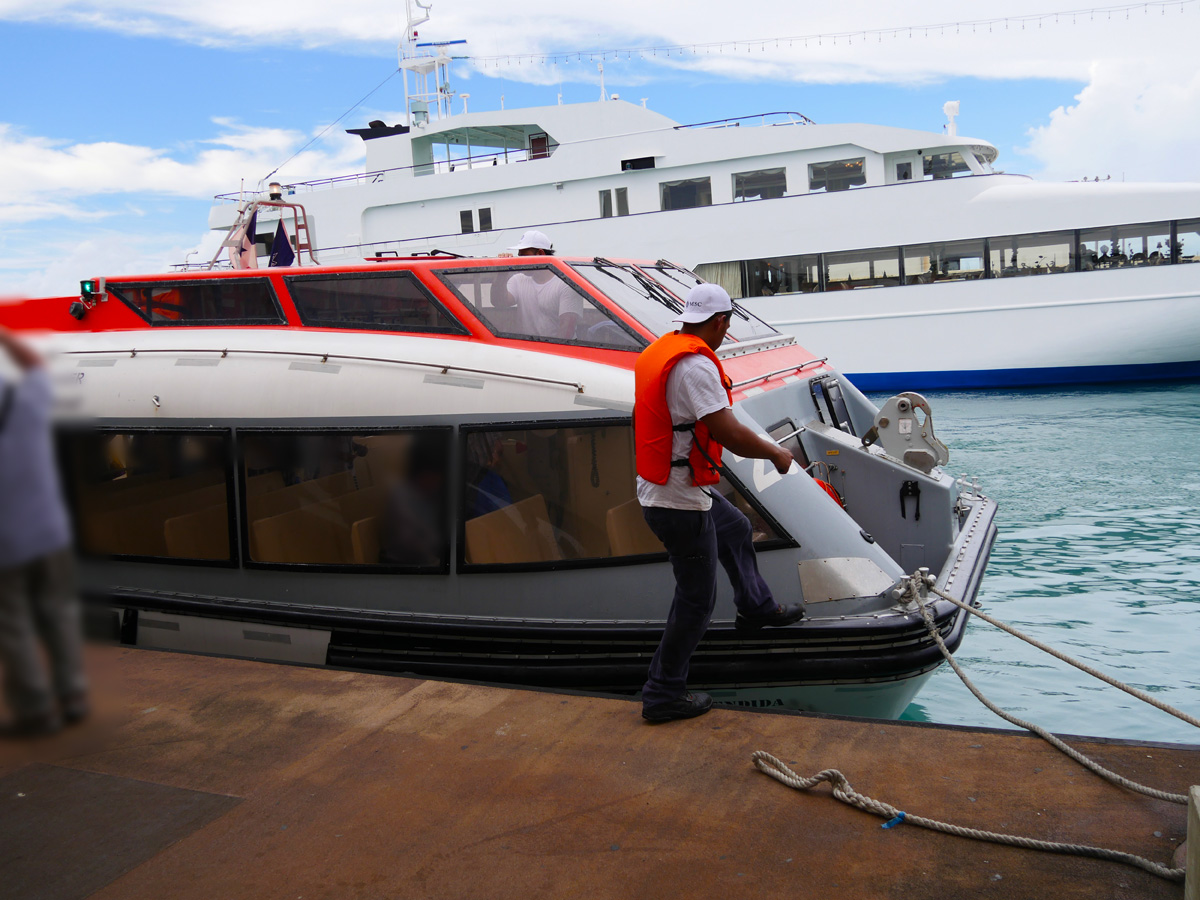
[654,299]
[538,303]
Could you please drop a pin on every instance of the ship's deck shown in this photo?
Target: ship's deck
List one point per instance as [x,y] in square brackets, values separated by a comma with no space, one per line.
[202,777]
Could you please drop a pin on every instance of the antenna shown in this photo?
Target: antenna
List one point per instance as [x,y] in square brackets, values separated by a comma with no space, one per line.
[603,93]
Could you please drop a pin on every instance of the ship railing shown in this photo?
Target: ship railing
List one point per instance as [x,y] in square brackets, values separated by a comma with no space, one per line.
[757,119]
[476,161]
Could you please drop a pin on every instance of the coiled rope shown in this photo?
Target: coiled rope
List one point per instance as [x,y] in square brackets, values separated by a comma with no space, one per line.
[843,791]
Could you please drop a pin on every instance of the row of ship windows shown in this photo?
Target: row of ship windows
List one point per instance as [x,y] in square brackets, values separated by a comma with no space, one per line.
[526,496]
[761,184]
[1045,253]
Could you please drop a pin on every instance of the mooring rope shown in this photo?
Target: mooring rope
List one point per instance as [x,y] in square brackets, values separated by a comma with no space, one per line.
[843,791]
[1083,667]
[1030,726]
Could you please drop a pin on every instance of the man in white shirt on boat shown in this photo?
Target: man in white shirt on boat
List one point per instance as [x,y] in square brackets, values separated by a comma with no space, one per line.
[546,305]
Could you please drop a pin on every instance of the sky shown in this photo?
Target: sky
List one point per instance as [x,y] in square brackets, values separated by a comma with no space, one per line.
[120,119]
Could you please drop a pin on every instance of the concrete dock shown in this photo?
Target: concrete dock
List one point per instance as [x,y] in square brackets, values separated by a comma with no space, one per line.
[216,778]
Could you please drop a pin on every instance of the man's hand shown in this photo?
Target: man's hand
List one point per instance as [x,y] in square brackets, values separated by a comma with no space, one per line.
[729,432]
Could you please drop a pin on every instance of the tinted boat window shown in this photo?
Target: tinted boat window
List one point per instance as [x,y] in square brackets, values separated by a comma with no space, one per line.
[545,495]
[538,303]
[1187,241]
[391,301]
[862,269]
[213,301]
[347,499]
[950,261]
[1032,254]
[150,494]
[1125,245]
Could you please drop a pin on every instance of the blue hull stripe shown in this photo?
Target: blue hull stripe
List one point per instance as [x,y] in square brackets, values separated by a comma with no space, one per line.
[1031,377]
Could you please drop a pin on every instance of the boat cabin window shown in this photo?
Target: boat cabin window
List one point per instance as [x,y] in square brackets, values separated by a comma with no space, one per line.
[949,261]
[1125,245]
[655,302]
[765,184]
[606,202]
[687,193]
[385,301]
[862,269]
[161,495]
[945,165]
[1032,254]
[764,277]
[1187,241]
[837,175]
[545,495]
[347,498]
[213,301]
[538,303]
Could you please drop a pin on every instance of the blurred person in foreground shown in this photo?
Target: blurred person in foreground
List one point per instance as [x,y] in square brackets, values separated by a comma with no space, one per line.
[39,607]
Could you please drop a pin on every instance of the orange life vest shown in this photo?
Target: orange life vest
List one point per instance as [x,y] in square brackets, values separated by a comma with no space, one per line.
[653,431]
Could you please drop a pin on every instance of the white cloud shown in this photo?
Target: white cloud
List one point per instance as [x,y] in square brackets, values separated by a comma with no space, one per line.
[1060,47]
[1135,119]
[47,178]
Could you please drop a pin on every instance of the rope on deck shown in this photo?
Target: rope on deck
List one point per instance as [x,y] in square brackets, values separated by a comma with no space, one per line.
[844,792]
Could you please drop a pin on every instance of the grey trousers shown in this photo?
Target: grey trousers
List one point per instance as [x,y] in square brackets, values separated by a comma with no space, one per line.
[39,608]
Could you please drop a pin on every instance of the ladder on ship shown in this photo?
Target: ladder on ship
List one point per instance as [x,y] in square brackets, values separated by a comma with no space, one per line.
[302,242]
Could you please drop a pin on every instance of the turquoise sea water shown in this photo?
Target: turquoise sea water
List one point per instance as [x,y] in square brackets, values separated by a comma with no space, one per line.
[1098,554]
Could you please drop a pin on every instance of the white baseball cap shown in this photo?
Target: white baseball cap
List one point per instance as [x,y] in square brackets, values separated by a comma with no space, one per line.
[704,301]
[534,239]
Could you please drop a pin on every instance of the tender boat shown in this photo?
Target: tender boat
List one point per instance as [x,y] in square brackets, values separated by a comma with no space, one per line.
[379,466]
[873,243]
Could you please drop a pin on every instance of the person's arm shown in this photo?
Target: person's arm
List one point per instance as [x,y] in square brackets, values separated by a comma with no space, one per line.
[729,432]
[567,323]
[21,353]
[501,298]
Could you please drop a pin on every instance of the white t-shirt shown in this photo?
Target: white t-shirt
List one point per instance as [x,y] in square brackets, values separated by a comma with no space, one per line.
[539,306]
[693,391]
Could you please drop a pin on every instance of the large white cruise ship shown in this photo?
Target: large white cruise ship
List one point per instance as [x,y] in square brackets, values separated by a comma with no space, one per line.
[901,253]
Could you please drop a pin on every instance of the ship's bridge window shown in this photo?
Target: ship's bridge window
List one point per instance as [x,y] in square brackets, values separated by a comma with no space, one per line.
[765,184]
[549,493]
[1032,254]
[838,175]
[337,498]
[949,261]
[214,301]
[1125,245]
[1187,241]
[384,301]
[161,495]
[538,303]
[655,302]
[862,269]
[686,193]
[945,165]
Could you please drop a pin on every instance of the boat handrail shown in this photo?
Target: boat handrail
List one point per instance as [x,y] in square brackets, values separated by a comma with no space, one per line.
[325,357]
[736,121]
[753,345]
[766,375]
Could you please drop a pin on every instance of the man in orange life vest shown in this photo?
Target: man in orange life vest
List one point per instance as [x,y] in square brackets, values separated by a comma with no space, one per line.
[683,417]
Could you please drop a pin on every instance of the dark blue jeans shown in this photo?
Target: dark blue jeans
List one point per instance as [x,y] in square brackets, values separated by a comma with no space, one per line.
[696,541]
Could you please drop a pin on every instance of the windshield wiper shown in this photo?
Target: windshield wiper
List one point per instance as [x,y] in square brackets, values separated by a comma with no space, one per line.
[653,290]
[667,264]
